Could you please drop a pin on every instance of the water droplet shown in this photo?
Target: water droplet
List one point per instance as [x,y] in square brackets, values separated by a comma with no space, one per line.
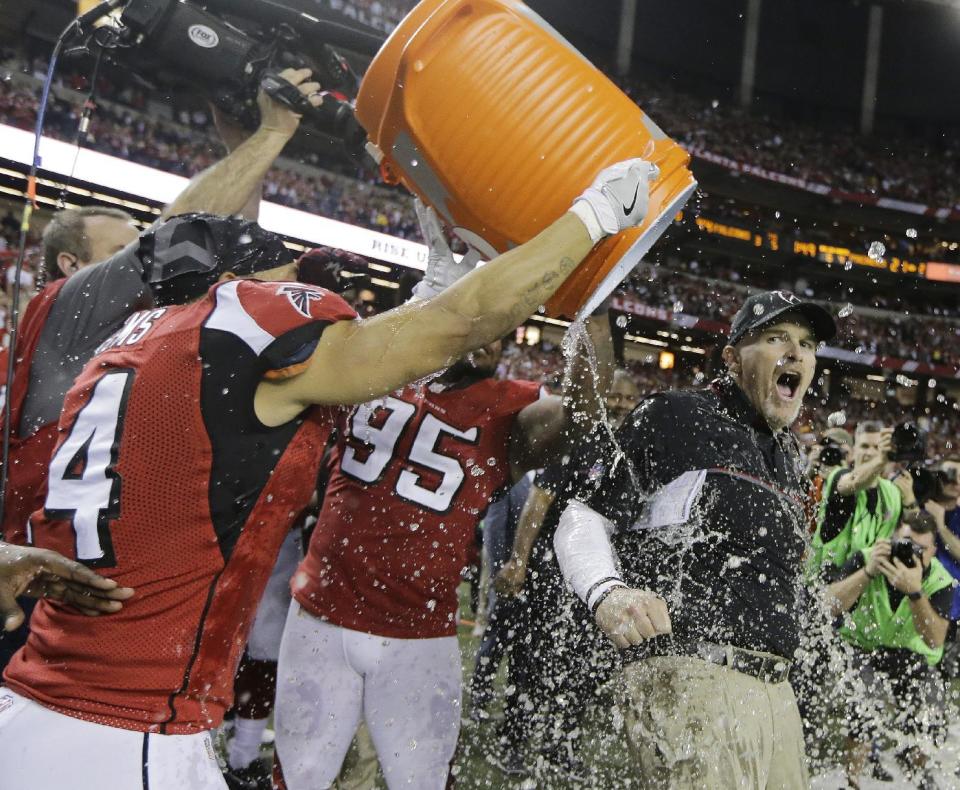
[622,321]
[911,233]
[877,251]
[758,309]
[845,311]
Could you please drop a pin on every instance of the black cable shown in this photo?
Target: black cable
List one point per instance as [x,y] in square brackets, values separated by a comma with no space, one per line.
[89,105]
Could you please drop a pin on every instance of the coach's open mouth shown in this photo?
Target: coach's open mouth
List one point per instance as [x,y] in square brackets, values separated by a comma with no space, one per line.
[788,385]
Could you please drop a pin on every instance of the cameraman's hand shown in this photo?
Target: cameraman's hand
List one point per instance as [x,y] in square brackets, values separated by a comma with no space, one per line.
[884,448]
[879,553]
[277,117]
[903,577]
[904,482]
[629,616]
[938,511]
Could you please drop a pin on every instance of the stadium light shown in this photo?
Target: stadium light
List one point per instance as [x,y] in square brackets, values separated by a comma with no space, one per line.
[109,172]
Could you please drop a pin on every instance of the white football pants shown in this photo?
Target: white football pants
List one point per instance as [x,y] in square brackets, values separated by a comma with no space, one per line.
[407,691]
[41,749]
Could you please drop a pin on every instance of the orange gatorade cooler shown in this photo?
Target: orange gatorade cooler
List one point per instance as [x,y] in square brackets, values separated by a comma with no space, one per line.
[491,117]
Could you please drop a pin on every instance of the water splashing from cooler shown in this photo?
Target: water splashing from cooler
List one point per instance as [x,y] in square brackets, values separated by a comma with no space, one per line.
[577,343]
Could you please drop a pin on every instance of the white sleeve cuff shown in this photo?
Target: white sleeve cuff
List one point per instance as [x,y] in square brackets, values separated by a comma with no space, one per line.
[600,590]
[584,553]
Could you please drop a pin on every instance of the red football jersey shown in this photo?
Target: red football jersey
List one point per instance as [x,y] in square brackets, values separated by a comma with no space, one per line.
[29,455]
[416,471]
[164,477]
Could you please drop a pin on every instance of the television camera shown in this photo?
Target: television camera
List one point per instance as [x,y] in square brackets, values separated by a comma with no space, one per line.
[228,49]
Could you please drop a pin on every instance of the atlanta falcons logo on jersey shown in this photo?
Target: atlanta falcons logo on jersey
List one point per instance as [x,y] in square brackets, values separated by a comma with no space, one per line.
[300,296]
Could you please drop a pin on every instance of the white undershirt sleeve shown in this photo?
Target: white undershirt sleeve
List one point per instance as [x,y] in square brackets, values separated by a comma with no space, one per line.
[582,544]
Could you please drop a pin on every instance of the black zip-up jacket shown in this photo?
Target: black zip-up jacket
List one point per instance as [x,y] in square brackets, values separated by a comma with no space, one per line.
[732,574]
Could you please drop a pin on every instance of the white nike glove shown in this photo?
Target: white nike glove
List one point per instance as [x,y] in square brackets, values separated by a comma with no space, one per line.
[617,198]
[442,269]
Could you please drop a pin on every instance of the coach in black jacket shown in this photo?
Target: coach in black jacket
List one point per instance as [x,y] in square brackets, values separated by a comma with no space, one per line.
[705,507]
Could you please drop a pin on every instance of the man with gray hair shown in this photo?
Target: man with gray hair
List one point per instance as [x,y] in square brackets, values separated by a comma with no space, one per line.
[78,237]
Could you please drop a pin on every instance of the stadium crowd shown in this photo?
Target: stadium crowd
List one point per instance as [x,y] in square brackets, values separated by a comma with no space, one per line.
[121,128]
[826,284]
[863,329]
[892,168]
[877,166]
[713,292]
[544,362]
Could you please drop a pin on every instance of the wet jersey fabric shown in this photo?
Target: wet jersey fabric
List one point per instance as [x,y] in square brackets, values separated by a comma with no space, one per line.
[91,305]
[29,453]
[164,478]
[416,471]
[731,571]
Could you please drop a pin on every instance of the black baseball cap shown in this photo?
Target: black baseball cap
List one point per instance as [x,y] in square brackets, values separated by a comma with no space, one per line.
[765,308]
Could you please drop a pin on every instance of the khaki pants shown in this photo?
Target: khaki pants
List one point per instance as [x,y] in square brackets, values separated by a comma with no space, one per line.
[360,767]
[693,724]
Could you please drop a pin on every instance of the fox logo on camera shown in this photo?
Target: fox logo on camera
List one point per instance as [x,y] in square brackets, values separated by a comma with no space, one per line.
[203,36]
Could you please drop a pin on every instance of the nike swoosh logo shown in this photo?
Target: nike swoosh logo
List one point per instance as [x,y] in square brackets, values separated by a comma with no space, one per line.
[628,209]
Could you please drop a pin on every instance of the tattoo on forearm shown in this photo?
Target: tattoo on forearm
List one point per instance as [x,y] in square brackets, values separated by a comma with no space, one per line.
[530,300]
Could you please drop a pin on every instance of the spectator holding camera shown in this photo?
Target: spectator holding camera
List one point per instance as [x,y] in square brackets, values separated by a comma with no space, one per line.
[898,596]
[859,506]
[828,455]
